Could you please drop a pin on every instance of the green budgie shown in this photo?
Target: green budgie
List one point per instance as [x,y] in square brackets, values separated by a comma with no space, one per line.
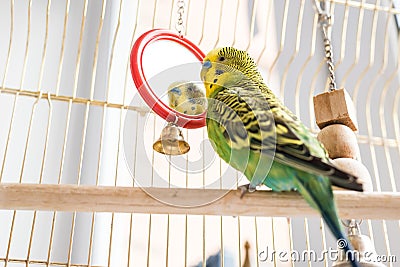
[256,134]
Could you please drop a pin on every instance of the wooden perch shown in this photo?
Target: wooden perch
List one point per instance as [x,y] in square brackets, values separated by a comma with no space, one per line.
[127,199]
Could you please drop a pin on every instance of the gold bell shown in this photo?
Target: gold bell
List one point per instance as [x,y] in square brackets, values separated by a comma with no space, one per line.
[364,250]
[171,141]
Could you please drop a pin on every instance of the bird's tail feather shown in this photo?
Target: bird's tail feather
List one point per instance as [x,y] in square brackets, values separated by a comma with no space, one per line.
[318,193]
[342,242]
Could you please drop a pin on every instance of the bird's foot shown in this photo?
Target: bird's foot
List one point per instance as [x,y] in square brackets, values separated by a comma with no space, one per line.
[246,188]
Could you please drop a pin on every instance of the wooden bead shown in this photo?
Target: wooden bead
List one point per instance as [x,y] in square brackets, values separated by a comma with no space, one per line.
[355,168]
[340,141]
[335,107]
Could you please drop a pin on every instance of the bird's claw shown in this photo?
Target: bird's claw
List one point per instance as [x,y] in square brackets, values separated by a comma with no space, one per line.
[244,189]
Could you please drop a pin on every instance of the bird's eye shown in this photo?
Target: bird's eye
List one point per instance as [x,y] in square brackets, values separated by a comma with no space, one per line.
[221,58]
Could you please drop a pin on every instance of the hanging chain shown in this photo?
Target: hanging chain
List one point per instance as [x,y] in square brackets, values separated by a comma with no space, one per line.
[179,23]
[325,20]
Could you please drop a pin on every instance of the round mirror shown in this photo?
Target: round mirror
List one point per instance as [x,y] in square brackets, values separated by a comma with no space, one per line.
[166,71]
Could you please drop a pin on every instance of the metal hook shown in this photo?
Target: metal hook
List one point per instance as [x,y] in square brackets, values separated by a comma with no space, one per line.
[174,122]
[349,222]
[323,8]
[353,226]
[320,5]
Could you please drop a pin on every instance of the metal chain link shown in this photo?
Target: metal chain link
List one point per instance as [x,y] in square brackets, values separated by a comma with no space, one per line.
[179,23]
[326,21]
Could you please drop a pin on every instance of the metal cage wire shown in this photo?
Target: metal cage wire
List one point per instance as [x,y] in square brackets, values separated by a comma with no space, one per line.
[66,91]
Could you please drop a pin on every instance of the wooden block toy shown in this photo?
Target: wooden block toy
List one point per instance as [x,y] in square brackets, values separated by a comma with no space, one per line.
[335,107]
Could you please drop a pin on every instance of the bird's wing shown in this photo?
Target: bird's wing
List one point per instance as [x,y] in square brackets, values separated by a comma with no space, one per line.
[252,120]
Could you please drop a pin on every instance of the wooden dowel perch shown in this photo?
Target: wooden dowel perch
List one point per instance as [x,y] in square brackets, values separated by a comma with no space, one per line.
[127,199]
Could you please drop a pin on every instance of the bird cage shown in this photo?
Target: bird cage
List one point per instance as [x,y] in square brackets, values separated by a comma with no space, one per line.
[80,184]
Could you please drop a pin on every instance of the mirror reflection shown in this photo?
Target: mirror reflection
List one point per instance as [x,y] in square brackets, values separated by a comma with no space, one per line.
[187,97]
[173,73]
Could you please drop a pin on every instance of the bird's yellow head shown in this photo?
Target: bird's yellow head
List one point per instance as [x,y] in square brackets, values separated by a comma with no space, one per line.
[219,64]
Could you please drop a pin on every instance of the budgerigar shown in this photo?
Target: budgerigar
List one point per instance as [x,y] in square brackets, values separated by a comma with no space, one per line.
[186,97]
[256,134]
